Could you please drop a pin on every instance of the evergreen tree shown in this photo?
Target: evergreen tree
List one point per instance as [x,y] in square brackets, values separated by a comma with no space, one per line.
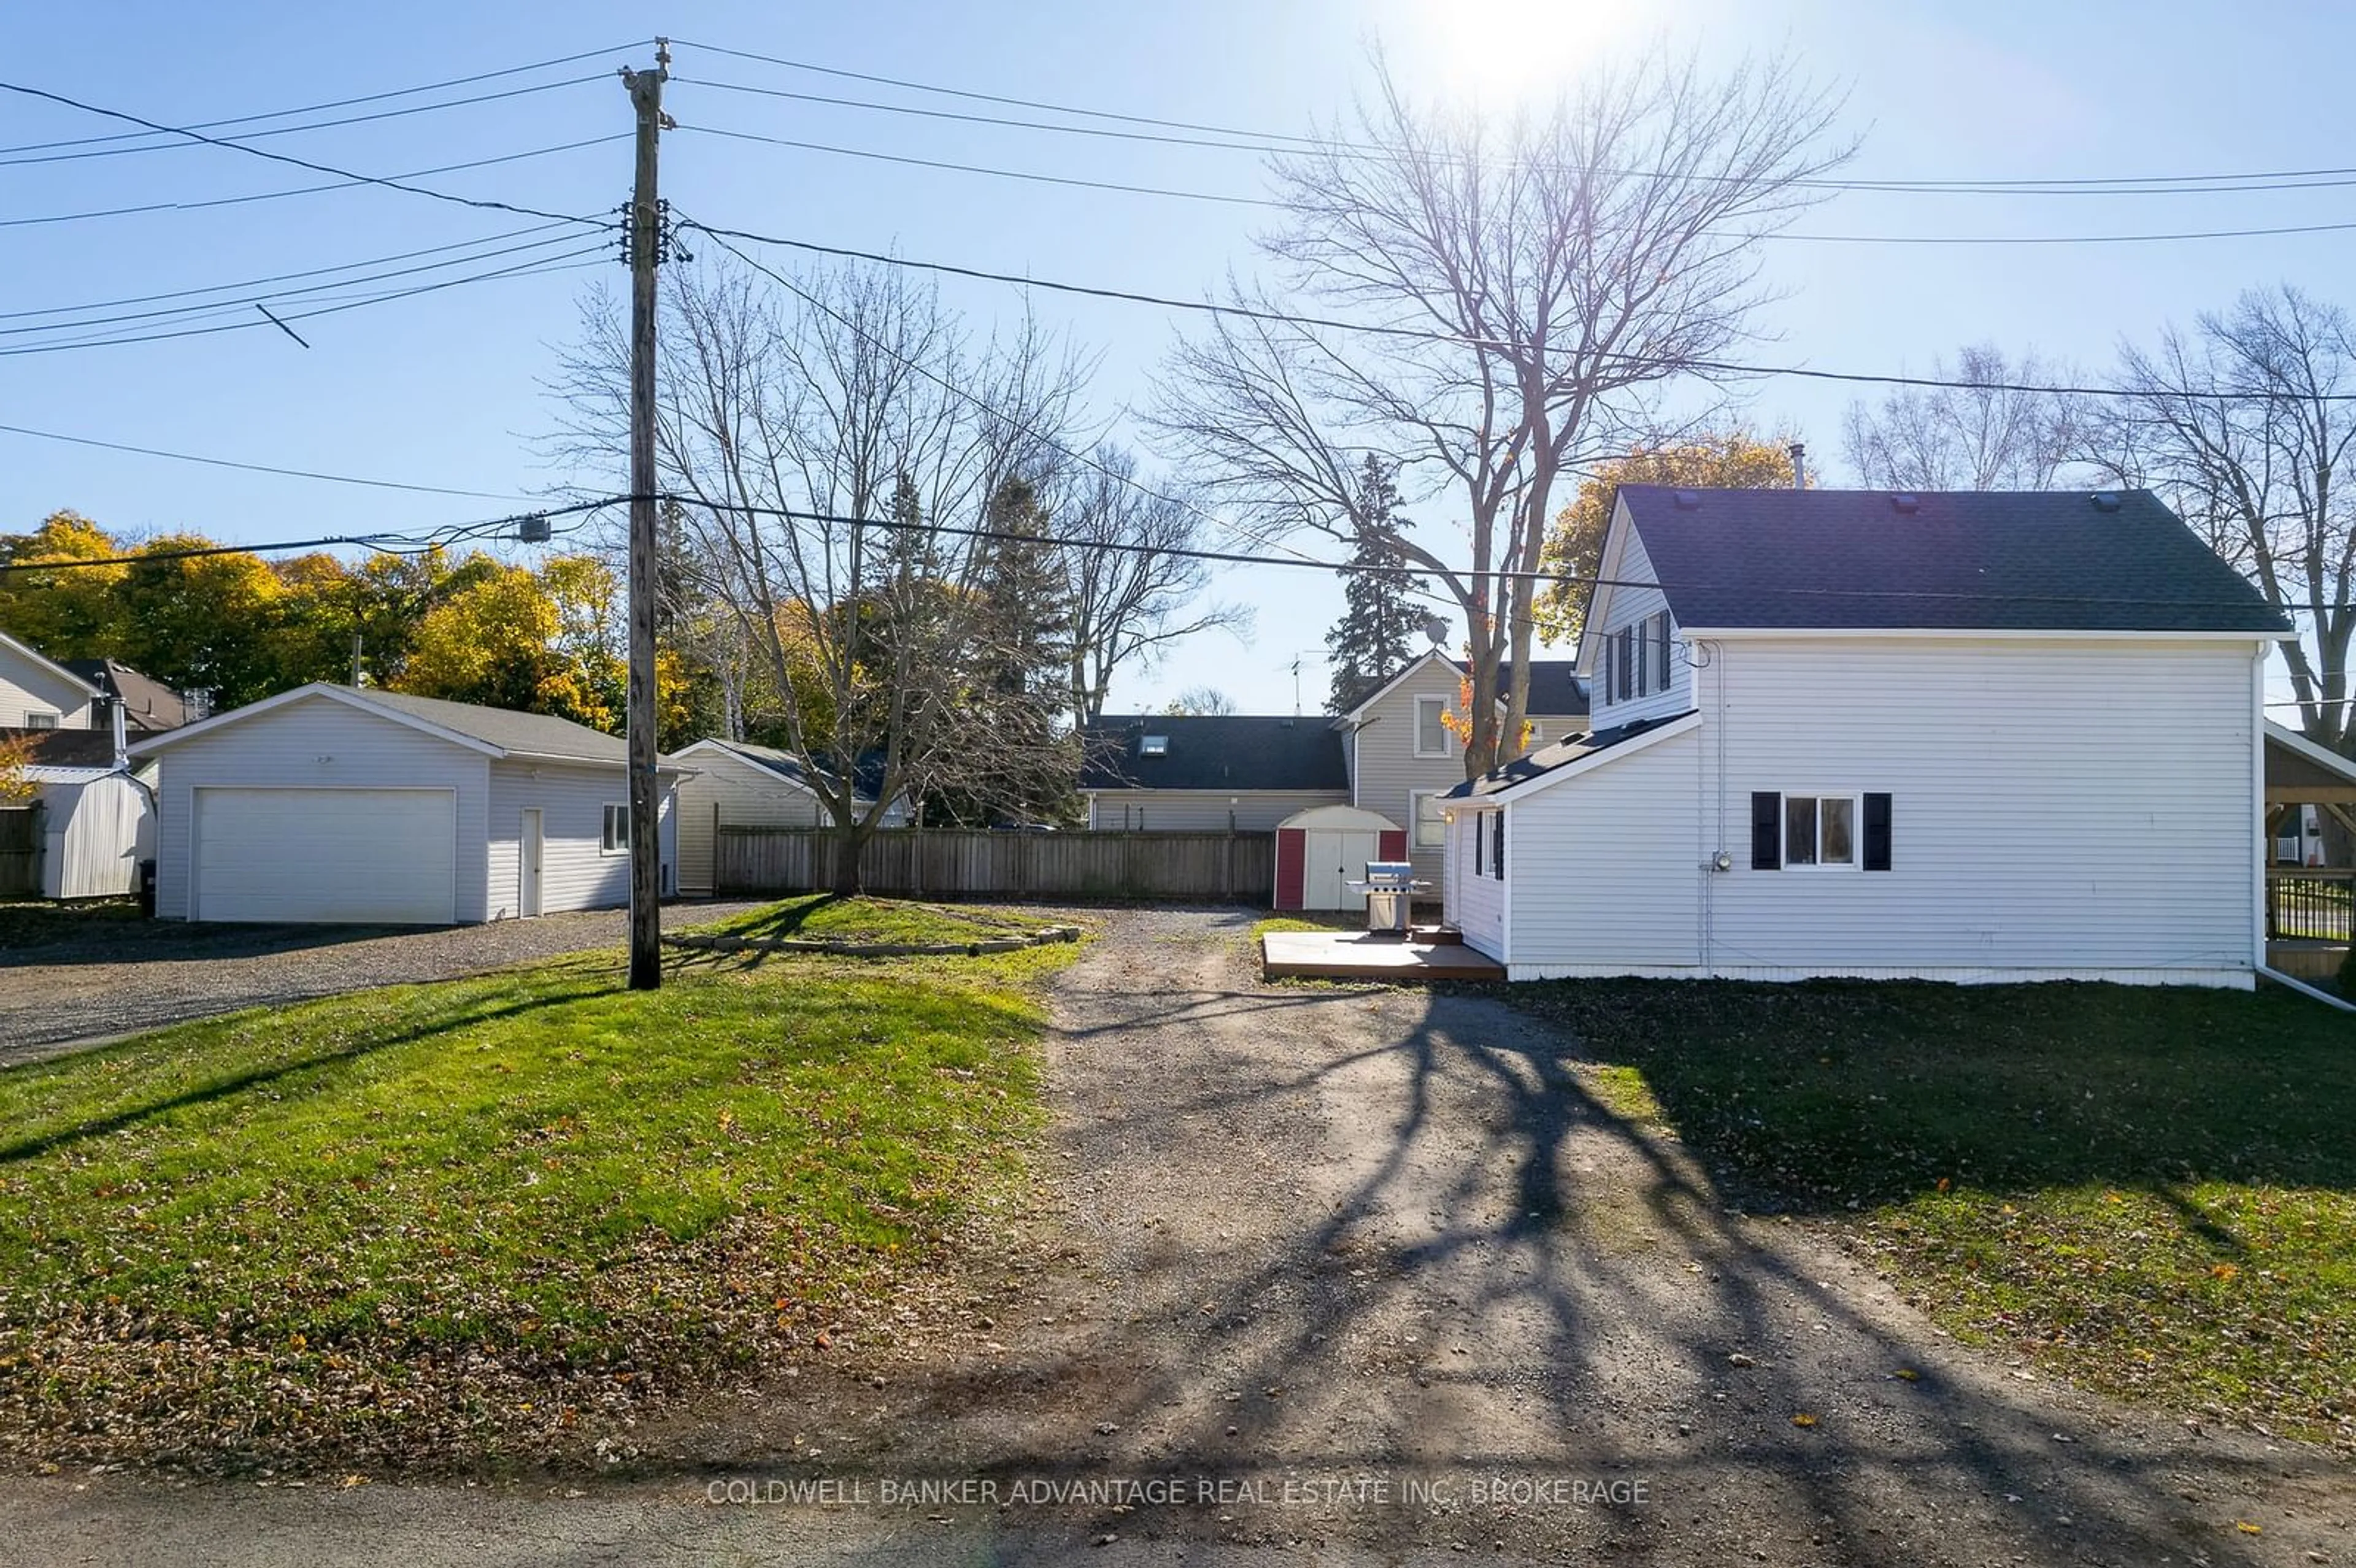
[1020,767]
[1381,628]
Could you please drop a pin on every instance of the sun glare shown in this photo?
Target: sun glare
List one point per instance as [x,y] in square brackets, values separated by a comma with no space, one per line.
[1502,49]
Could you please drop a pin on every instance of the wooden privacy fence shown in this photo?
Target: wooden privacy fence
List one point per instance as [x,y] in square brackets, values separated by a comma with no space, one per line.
[20,852]
[934,863]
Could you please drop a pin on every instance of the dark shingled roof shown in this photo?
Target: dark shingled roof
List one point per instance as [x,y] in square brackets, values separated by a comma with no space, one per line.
[1547,759]
[1962,561]
[527,734]
[1214,752]
[65,748]
[1556,691]
[147,703]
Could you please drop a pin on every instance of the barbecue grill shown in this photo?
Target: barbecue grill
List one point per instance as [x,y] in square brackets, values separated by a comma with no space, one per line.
[1390,887]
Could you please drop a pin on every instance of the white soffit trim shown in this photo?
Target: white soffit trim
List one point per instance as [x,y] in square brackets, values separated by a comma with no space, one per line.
[49,664]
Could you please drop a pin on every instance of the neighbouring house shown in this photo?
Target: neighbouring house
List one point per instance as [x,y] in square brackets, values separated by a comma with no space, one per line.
[1391,755]
[734,784]
[149,707]
[96,815]
[333,805]
[1967,737]
[38,693]
[2310,872]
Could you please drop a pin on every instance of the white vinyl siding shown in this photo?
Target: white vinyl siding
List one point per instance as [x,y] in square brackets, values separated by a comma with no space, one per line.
[1643,613]
[1476,902]
[30,691]
[317,744]
[2079,805]
[1604,868]
[731,792]
[576,870]
[1202,810]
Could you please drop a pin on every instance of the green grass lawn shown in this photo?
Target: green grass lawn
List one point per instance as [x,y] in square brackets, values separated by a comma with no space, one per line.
[832,917]
[440,1223]
[2152,1190]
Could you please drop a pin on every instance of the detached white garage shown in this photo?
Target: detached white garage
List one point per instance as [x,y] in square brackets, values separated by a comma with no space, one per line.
[332,805]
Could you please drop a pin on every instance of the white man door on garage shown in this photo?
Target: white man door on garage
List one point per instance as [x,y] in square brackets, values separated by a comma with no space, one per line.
[348,856]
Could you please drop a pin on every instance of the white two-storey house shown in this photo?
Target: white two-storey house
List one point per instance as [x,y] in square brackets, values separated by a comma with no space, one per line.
[1951,736]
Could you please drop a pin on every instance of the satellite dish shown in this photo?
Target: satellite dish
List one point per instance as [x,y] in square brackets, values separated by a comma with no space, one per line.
[1436,629]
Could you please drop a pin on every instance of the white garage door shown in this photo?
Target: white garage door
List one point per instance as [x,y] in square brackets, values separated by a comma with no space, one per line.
[329,857]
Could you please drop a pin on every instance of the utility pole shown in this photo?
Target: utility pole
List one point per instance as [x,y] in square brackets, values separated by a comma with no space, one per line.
[645,234]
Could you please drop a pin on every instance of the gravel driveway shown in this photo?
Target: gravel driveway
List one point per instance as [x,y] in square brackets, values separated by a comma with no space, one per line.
[1343,1265]
[147,974]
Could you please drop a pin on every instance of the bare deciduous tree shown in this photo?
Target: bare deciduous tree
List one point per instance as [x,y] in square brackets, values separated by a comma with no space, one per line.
[1201,702]
[1132,597]
[1521,289]
[822,439]
[1985,433]
[2238,424]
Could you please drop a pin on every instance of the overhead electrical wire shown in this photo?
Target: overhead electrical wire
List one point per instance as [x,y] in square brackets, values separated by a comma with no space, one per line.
[1242,139]
[1072,180]
[202,308]
[570,261]
[244,138]
[1250,313]
[257,467]
[342,102]
[314,189]
[388,182]
[385,542]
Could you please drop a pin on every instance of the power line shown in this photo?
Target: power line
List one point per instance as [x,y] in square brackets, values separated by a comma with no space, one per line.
[1281,143]
[1248,313]
[281,277]
[1084,459]
[197,311]
[250,136]
[1070,180]
[449,533]
[569,262]
[255,467]
[1799,236]
[1345,568]
[314,189]
[389,183]
[337,102]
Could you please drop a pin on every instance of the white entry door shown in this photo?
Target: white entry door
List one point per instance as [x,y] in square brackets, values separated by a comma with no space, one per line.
[1334,859]
[527,897]
[367,857]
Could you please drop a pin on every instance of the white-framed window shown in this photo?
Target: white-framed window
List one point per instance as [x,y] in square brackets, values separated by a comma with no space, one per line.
[1430,828]
[1153,746]
[41,719]
[1625,642]
[1820,831]
[1432,735]
[614,838]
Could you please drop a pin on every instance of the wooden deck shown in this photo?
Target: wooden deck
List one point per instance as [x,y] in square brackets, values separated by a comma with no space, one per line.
[1360,955]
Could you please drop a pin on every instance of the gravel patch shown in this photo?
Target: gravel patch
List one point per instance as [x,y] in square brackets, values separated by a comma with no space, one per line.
[144,975]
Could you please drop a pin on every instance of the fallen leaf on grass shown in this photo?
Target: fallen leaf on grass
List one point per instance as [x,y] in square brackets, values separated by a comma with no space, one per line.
[1909,1374]
[1803,1419]
[2247,1528]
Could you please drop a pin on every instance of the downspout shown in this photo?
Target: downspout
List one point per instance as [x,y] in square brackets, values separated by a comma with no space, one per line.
[2304,990]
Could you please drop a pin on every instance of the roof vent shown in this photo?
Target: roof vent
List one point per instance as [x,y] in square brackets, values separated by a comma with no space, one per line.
[2105,501]
[1153,746]
[1687,500]
[1907,502]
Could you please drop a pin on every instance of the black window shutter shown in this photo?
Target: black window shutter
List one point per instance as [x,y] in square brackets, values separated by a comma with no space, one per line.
[1876,832]
[1665,650]
[1476,845]
[1605,693]
[1497,846]
[1766,831]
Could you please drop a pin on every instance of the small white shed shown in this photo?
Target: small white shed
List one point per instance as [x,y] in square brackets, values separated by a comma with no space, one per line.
[329,805]
[1320,850]
[97,825]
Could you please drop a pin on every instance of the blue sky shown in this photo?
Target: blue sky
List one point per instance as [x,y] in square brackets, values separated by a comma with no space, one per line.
[446,388]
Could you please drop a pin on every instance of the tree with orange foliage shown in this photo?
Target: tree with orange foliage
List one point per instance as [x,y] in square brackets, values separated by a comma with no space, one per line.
[1574,547]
